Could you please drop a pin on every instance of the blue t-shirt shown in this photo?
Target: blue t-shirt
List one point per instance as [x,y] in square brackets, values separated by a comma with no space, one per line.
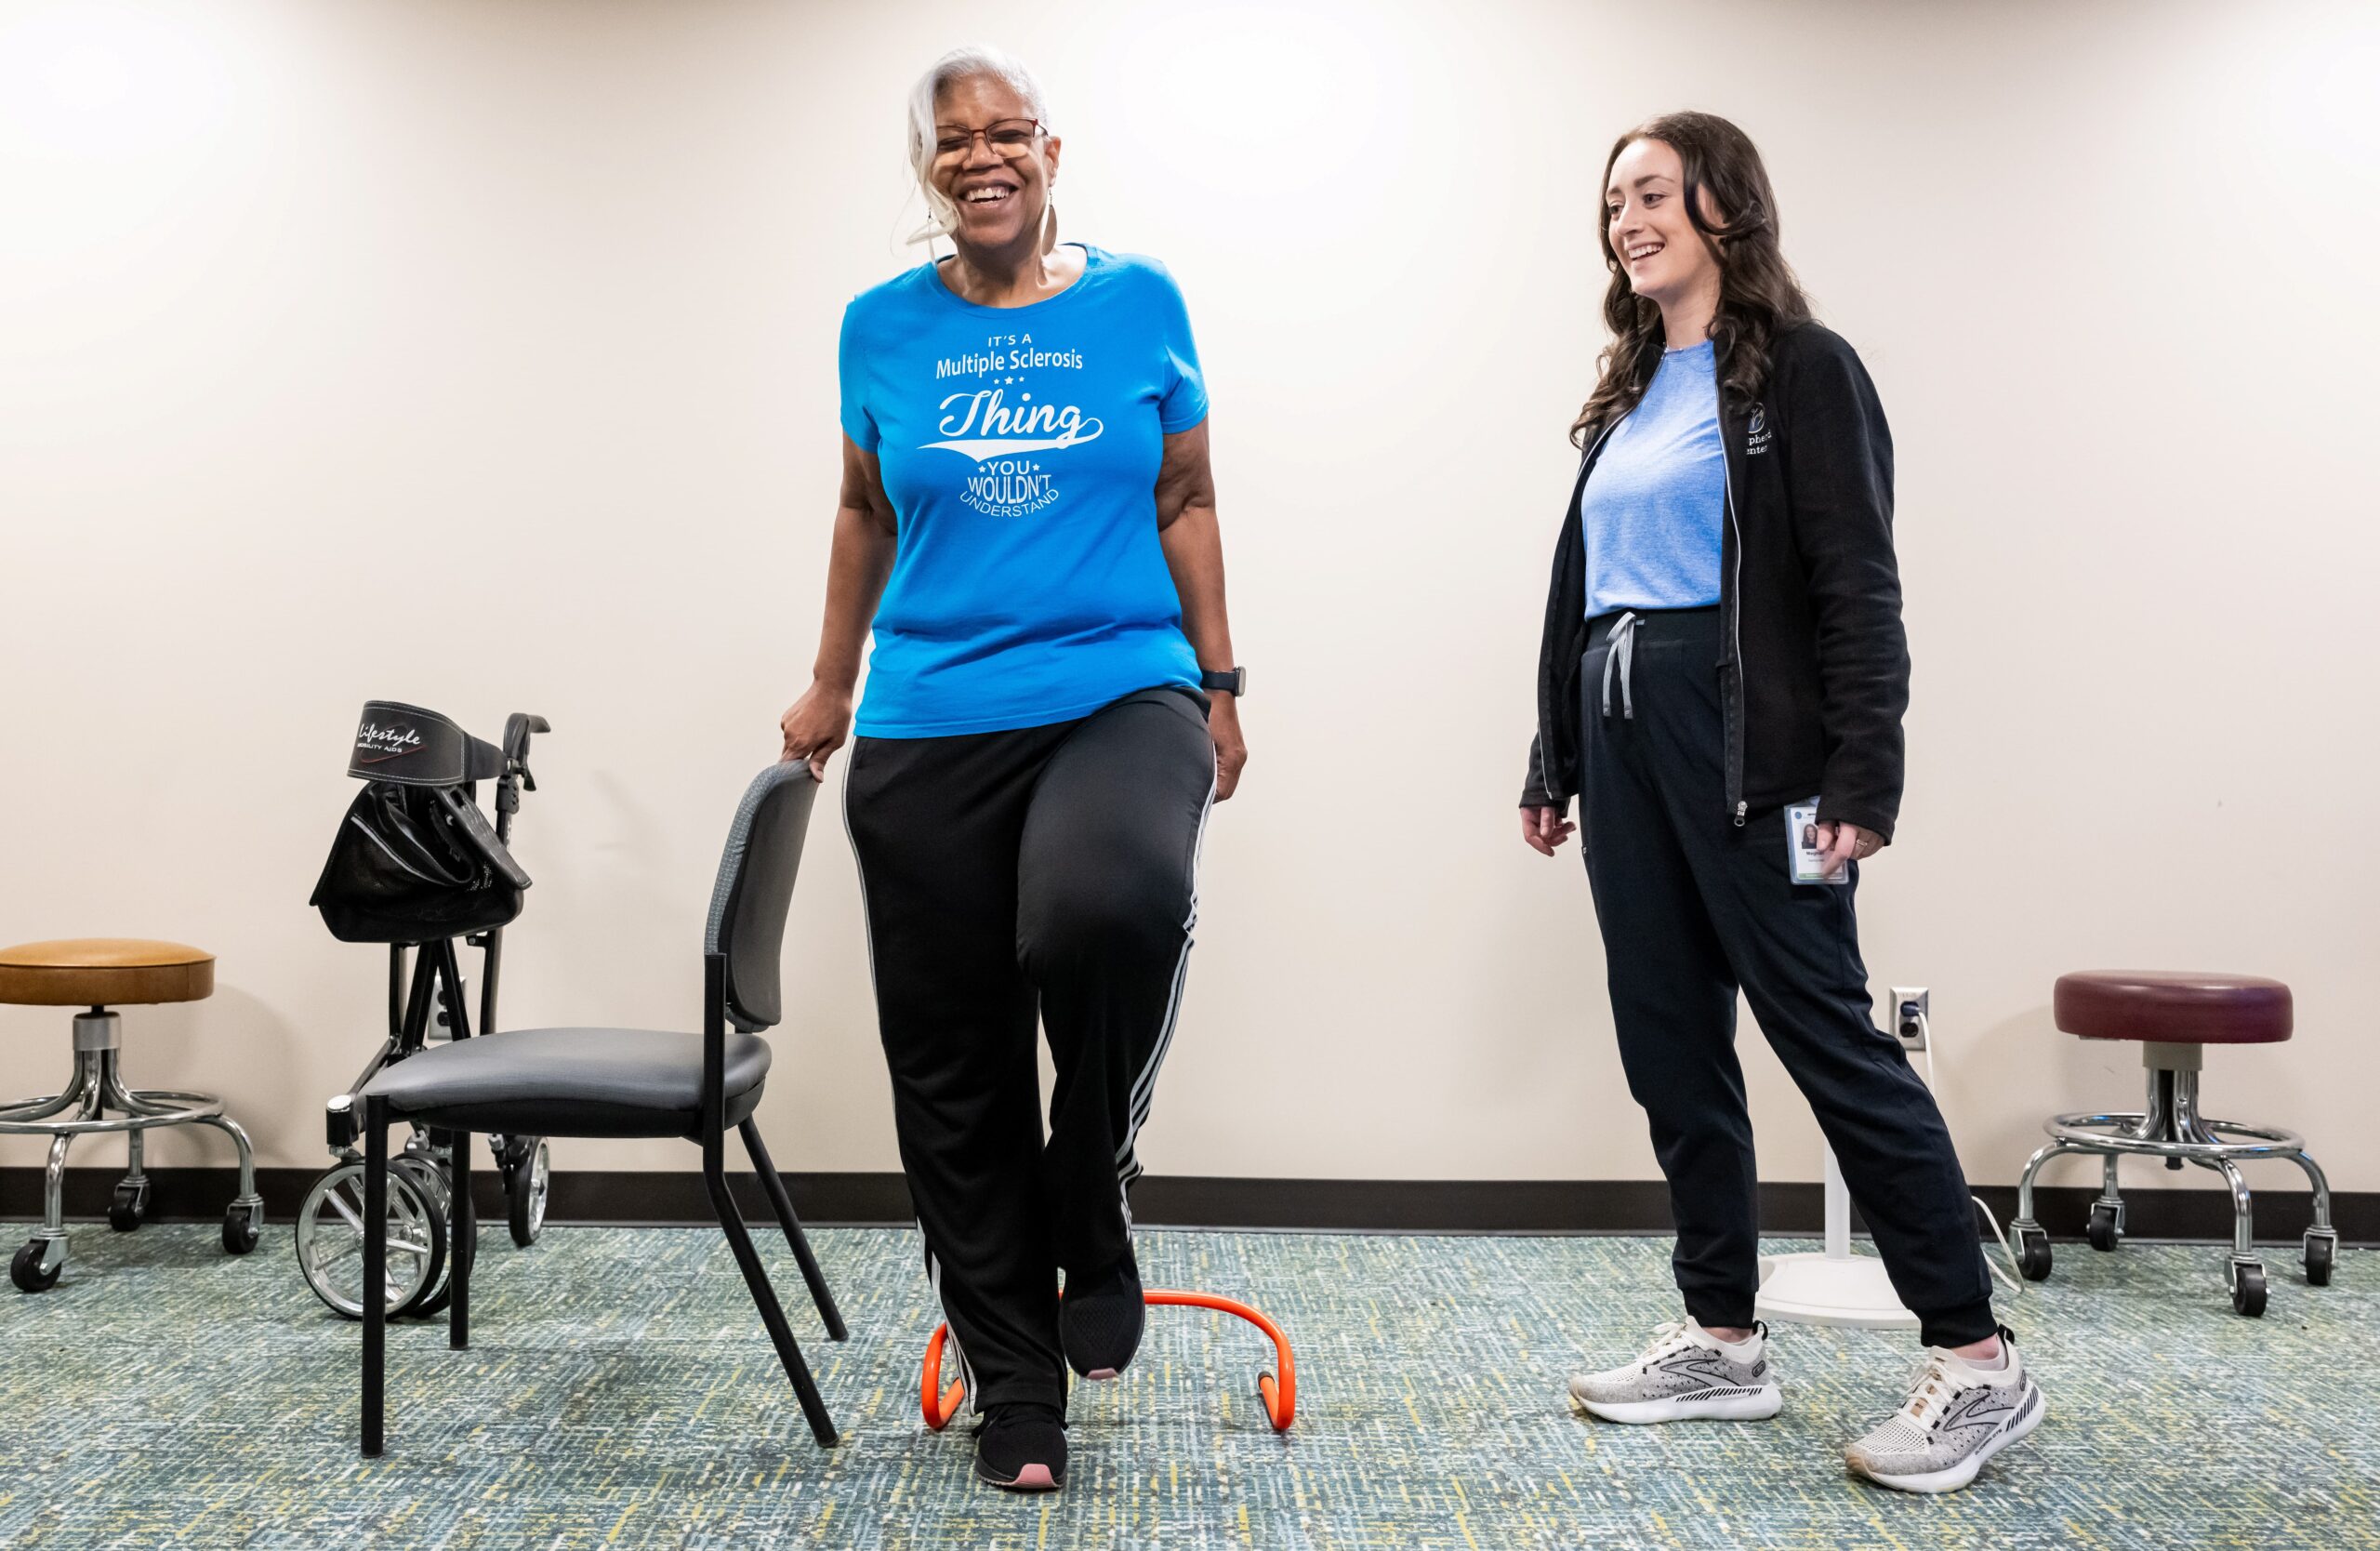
[1020,446]
[1657,495]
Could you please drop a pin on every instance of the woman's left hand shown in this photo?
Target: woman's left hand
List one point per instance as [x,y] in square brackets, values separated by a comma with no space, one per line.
[1231,749]
[1839,843]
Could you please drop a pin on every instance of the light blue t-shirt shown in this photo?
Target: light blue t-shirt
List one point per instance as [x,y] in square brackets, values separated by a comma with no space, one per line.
[1657,495]
[1020,446]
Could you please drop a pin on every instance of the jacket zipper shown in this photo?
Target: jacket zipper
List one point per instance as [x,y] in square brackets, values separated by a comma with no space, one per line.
[1736,621]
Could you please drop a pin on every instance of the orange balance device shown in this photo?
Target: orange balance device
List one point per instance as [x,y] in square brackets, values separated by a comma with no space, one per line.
[1281,1396]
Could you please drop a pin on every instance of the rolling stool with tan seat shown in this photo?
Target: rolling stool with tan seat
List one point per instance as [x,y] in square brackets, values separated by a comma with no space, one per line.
[2176,1017]
[99,974]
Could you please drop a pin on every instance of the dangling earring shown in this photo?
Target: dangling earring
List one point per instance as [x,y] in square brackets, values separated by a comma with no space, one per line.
[1049,228]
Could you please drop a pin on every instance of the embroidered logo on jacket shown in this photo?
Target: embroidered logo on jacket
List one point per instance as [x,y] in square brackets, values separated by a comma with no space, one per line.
[1756,432]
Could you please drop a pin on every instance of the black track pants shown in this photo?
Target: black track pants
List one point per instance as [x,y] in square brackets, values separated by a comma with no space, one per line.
[1693,907]
[1049,871]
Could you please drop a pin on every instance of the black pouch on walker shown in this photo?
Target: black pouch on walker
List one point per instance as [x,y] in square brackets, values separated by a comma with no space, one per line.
[415,859]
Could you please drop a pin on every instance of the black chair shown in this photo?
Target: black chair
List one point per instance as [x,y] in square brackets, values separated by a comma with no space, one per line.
[626,1082]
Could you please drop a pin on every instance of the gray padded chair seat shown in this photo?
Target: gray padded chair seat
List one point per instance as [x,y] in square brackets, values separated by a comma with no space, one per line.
[571,1083]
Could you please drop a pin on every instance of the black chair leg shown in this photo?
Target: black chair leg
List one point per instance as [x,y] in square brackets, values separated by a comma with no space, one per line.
[783,1202]
[465,1224]
[376,1267]
[764,1298]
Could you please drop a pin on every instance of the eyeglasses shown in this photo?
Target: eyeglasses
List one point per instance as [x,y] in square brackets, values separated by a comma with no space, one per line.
[1010,138]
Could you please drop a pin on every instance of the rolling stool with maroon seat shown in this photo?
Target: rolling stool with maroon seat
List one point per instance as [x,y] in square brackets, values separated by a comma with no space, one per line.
[2176,1017]
[97,974]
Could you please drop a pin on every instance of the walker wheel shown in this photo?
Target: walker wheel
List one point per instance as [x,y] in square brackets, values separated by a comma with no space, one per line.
[130,1207]
[239,1230]
[528,1178]
[330,1239]
[26,1272]
[430,1176]
[2248,1289]
[2321,1249]
[2103,1230]
[2034,1253]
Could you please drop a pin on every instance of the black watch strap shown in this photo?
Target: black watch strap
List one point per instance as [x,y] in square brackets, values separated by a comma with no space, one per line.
[1233,680]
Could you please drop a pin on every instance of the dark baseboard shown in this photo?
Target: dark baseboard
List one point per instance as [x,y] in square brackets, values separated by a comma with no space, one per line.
[1314,1205]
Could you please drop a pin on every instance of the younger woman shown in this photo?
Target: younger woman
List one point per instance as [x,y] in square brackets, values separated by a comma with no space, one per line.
[1723,643]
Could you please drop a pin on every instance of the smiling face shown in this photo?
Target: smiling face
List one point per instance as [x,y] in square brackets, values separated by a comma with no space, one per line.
[992,168]
[1664,258]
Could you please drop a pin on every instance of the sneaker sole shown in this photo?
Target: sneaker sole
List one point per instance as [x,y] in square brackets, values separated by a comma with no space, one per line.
[1960,1474]
[1734,1405]
[1032,1478]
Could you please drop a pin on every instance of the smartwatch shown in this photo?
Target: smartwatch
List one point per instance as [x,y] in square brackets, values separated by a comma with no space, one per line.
[1233,681]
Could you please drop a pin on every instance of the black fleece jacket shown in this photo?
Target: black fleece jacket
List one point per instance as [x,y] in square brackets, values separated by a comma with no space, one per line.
[1814,674]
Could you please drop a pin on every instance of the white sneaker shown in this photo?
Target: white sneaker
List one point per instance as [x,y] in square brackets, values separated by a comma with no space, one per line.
[1957,1416]
[1684,1374]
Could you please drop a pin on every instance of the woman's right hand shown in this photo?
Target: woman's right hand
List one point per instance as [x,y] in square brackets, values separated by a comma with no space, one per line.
[815,725]
[1543,828]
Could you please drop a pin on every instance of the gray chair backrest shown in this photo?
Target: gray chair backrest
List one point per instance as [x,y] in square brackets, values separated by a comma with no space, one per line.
[755,888]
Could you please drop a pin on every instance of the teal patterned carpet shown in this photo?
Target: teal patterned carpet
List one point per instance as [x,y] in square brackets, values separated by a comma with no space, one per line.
[621,1392]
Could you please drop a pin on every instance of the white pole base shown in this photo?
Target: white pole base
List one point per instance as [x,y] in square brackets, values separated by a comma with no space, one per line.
[1827,1289]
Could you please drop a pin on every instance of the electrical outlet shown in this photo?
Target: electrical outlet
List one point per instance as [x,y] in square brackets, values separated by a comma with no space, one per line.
[1911,1015]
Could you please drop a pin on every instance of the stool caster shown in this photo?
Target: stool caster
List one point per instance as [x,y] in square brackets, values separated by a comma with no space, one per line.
[2247,1287]
[2321,1248]
[130,1207]
[2032,1249]
[36,1264]
[243,1225]
[2107,1225]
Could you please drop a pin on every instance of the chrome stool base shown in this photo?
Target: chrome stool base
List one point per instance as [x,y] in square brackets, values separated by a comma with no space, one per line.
[97,1088]
[2171,1128]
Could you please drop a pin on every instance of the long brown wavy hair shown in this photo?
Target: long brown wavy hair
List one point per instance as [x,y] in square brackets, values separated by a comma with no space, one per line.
[1758,295]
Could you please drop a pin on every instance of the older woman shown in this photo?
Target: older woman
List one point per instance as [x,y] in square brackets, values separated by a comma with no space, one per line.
[1722,685]
[1028,521]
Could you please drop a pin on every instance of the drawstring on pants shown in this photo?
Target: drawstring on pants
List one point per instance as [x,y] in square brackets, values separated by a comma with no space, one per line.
[1619,644]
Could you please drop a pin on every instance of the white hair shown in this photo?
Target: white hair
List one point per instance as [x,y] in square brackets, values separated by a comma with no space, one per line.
[958,65]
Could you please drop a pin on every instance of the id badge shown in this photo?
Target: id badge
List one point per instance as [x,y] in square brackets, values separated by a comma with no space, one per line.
[1803,857]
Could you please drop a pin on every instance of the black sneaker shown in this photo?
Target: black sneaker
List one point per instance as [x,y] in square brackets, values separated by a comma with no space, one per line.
[1022,1446]
[1099,1320]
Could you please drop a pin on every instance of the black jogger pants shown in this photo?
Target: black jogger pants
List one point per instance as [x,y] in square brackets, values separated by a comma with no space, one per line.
[1693,907]
[1049,873]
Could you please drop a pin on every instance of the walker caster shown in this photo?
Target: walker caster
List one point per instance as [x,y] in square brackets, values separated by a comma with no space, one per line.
[2248,1288]
[242,1226]
[130,1207]
[33,1270]
[2033,1251]
[2107,1226]
[528,1179]
[2321,1248]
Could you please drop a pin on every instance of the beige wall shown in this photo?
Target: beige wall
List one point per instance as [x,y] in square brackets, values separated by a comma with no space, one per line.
[482,356]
